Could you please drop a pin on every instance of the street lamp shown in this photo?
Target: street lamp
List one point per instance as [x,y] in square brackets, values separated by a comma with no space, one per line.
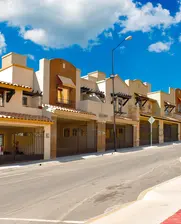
[113,94]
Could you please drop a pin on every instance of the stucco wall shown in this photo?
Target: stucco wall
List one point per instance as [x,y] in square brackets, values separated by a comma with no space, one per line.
[15,105]
[7,75]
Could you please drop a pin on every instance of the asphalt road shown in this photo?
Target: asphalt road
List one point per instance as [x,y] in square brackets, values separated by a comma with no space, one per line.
[73,192]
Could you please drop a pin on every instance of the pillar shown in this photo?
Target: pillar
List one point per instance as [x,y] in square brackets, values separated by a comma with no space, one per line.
[179,132]
[101,137]
[47,141]
[54,138]
[161,132]
[136,135]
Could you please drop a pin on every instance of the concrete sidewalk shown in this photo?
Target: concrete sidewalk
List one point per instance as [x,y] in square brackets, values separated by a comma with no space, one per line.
[158,205]
[75,158]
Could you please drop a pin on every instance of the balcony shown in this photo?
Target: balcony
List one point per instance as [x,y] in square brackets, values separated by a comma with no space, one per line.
[66,103]
[102,110]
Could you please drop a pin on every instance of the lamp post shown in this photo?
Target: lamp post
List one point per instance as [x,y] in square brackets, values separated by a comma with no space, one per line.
[113,92]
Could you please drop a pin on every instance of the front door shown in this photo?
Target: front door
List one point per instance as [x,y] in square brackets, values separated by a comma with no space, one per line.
[121,137]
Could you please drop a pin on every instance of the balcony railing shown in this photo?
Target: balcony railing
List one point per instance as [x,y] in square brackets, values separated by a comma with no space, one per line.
[66,103]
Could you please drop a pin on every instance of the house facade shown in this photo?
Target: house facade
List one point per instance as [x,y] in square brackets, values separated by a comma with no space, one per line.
[57,112]
[25,132]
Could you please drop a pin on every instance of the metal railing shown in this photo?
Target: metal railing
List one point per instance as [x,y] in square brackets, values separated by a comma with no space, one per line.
[65,102]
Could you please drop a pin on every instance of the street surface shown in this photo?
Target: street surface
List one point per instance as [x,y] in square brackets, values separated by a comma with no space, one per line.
[74,192]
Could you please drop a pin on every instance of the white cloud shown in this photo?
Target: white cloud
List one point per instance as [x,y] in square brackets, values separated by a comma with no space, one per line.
[2,44]
[30,56]
[145,18]
[108,34]
[57,23]
[160,47]
[179,39]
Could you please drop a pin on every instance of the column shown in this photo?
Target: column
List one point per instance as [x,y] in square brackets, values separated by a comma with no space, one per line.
[161,132]
[47,141]
[91,135]
[136,135]
[54,138]
[101,137]
[179,132]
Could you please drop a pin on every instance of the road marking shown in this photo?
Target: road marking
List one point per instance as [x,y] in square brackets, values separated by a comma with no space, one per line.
[12,175]
[74,222]
[31,220]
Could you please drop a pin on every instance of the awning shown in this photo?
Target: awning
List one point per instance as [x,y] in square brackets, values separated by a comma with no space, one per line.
[66,81]
[179,99]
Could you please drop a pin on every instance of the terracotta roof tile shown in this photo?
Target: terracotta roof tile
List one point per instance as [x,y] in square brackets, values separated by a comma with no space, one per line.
[20,116]
[52,108]
[14,84]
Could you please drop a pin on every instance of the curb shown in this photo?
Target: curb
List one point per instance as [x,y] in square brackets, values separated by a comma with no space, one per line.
[139,198]
[82,157]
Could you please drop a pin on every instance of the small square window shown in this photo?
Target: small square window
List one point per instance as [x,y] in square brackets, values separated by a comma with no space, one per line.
[66,132]
[25,101]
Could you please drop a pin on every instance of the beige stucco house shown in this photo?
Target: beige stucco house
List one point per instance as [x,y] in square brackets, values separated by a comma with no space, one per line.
[25,132]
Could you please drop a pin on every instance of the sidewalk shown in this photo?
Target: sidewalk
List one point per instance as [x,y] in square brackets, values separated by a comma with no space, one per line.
[159,205]
[75,158]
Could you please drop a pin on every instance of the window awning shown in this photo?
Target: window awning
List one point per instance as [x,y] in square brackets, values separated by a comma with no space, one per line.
[179,98]
[66,81]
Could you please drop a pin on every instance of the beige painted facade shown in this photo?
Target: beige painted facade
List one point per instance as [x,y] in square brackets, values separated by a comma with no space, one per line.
[19,103]
[91,111]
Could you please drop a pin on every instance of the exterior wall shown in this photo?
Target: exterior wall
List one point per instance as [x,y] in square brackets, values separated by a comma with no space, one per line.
[7,75]
[161,131]
[18,75]
[15,105]
[101,137]
[78,86]
[177,100]
[43,78]
[119,86]
[13,58]
[54,138]
[100,109]
[96,76]
[56,68]
[136,86]
[23,76]
[47,142]
[88,83]
[157,105]
[161,97]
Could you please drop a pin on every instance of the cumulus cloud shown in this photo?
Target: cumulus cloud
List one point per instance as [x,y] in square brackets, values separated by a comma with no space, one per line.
[2,44]
[59,24]
[160,47]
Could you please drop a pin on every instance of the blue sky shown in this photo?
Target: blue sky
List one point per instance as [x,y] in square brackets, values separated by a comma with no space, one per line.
[84,32]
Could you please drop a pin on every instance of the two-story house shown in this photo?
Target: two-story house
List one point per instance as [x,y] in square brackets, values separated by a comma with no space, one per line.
[169,123]
[24,131]
[73,130]
[101,103]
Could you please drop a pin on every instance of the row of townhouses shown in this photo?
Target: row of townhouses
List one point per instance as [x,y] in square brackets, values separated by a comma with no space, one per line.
[55,112]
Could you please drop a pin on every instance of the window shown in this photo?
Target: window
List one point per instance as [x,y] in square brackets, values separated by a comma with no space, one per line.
[74,132]
[66,132]
[63,65]
[25,101]
[63,96]
[1,140]
[1,99]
